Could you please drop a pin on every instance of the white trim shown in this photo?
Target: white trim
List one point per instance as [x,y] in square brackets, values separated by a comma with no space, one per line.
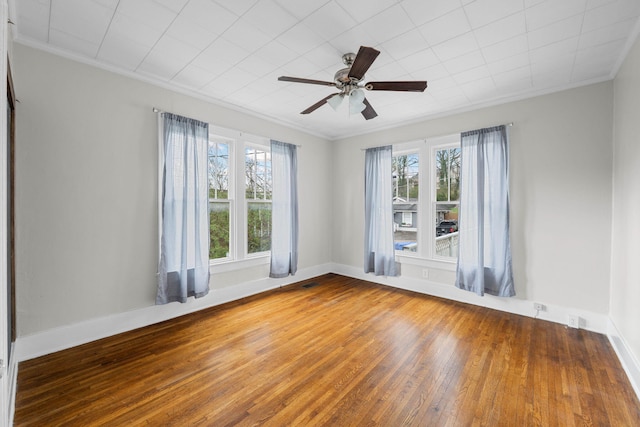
[64,337]
[446,264]
[173,87]
[628,360]
[225,264]
[589,320]
[294,125]
[12,372]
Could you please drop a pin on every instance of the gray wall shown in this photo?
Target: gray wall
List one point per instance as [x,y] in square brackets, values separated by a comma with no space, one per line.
[87,197]
[560,171]
[86,188]
[625,277]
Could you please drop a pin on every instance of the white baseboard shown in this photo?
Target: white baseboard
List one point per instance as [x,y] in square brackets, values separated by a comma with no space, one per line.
[629,362]
[56,339]
[590,321]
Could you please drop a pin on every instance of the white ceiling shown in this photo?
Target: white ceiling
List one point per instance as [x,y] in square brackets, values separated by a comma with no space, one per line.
[471,52]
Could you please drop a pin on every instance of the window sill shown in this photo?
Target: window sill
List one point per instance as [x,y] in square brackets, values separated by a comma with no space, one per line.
[440,264]
[233,265]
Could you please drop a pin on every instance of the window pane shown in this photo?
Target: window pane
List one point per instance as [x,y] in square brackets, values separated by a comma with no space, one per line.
[218,229]
[258,226]
[218,169]
[258,174]
[406,187]
[446,242]
[219,219]
[447,177]
[454,174]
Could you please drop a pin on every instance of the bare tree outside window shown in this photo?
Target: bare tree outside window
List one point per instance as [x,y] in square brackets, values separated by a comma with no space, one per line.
[258,187]
[219,203]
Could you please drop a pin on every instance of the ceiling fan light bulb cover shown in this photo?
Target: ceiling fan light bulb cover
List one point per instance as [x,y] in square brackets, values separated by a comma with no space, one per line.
[356,103]
[335,101]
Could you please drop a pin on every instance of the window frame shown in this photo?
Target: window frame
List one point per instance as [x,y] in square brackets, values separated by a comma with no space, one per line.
[239,257]
[230,197]
[264,200]
[426,255]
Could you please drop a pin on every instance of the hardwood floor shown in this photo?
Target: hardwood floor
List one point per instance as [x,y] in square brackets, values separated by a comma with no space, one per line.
[344,352]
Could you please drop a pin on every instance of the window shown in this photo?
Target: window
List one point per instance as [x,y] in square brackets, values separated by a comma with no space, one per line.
[426,180]
[239,196]
[257,163]
[447,199]
[406,183]
[219,198]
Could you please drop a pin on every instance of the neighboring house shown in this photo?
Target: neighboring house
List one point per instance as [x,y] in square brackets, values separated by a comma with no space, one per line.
[405,214]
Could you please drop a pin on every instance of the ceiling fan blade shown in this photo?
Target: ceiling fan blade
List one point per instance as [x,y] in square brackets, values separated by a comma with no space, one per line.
[368,112]
[310,81]
[406,86]
[364,59]
[318,104]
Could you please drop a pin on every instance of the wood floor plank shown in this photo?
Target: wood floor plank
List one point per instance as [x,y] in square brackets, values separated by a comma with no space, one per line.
[344,352]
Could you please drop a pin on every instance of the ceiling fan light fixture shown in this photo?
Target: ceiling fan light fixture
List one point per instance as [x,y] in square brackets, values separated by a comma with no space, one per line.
[350,82]
[356,101]
[335,101]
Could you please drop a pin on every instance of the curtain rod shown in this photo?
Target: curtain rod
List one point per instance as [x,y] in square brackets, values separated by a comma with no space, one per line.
[157,110]
[430,137]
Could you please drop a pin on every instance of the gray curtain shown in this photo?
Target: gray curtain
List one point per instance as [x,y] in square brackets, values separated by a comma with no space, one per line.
[184,245]
[379,252]
[484,259]
[284,214]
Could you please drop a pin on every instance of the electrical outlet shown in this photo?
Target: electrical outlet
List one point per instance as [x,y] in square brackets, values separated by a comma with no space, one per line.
[573,321]
[539,306]
[425,273]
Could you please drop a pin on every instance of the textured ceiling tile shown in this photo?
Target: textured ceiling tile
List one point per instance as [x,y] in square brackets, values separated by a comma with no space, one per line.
[611,13]
[180,53]
[470,51]
[419,60]
[209,15]
[388,24]
[237,7]
[134,29]
[269,18]
[465,62]
[73,44]
[361,10]
[300,39]
[193,77]
[510,63]
[483,12]
[301,9]
[505,49]
[148,11]
[555,32]
[329,21]
[121,51]
[35,16]
[456,47]
[185,30]
[446,27]
[244,35]
[501,30]
[422,11]
[405,44]
[538,16]
[93,24]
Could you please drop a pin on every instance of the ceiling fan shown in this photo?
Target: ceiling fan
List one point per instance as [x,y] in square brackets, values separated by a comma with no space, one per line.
[349,82]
